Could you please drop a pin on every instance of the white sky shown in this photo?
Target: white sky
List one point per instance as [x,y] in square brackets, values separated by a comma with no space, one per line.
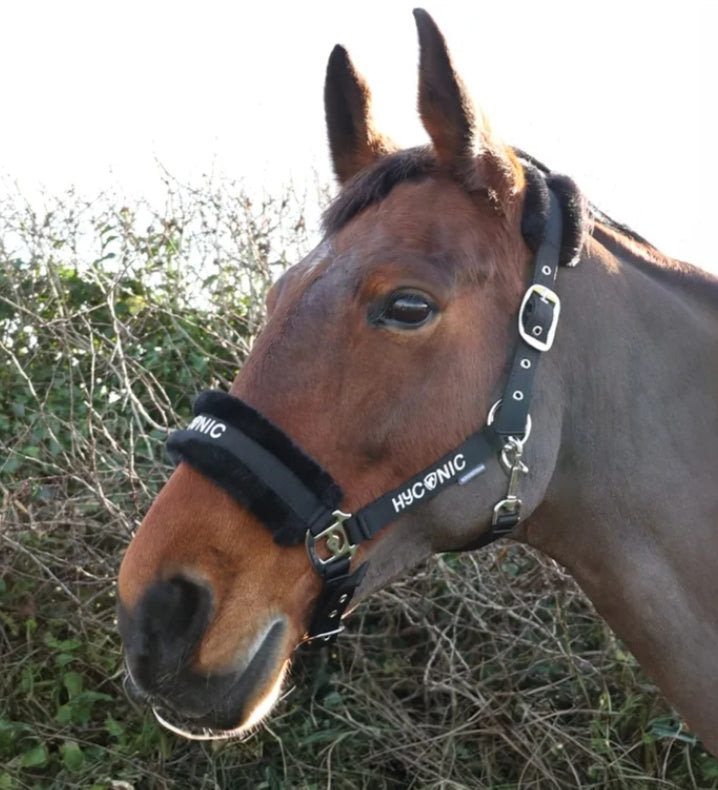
[619,95]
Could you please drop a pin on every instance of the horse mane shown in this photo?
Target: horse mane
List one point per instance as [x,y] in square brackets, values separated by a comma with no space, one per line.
[645,257]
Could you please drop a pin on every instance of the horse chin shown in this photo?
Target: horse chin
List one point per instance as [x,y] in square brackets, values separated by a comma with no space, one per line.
[229,705]
[205,729]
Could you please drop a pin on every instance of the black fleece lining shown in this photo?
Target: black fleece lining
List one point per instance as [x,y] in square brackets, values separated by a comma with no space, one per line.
[576,210]
[229,471]
[536,206]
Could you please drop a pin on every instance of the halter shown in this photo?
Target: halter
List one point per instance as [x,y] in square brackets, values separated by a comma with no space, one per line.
[261,467]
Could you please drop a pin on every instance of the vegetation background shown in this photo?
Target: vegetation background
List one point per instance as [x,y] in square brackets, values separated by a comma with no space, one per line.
[484,670]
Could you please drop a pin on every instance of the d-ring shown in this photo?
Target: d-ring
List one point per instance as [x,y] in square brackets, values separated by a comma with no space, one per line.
[493,411]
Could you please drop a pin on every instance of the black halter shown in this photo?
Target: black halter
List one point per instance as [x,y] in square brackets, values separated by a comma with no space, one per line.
[260,466]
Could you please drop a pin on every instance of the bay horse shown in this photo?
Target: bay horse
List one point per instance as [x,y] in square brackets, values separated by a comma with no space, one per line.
[454,281]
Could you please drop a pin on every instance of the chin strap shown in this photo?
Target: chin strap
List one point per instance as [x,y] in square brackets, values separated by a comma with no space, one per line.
[261,467]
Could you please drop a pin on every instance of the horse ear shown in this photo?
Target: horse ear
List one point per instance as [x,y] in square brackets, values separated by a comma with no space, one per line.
[353,140]
[461,137]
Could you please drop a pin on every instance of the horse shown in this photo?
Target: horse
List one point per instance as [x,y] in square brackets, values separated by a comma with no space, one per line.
[472,351]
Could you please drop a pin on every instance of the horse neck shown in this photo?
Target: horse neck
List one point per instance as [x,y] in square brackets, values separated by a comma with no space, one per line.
[631,508]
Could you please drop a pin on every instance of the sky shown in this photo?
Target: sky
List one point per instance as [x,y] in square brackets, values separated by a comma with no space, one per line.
[619,95]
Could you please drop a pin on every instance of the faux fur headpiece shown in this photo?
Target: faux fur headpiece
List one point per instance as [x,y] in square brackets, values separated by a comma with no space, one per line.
[536,206]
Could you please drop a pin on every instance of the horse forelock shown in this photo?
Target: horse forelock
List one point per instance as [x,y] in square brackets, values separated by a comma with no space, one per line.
[373,184]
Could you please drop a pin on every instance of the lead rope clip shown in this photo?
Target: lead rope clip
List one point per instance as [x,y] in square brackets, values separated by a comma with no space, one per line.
[507,511]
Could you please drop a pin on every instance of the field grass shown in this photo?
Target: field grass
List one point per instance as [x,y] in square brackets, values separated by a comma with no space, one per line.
[483,670]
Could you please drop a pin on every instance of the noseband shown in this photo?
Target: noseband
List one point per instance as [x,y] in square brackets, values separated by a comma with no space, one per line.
[298,501]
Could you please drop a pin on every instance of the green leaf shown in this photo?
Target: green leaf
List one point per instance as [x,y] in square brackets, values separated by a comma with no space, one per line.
[27,680]
[73,682]
[63,645]
[333,700]
[114,727]
[669,727]
[79,709]
[709,767]
[72,756]
[10,731]
[11,465]
[37,757]
[64,714]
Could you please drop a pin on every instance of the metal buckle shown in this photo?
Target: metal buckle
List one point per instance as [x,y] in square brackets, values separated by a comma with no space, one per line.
[337,540]
[547,295]
[324,637]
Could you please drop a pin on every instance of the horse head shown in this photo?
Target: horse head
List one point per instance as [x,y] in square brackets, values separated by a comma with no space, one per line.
[383,350]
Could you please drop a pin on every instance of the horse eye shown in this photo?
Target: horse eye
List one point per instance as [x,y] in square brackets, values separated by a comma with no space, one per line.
[406,310]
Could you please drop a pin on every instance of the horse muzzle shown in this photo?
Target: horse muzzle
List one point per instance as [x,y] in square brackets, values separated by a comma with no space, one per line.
[161,636]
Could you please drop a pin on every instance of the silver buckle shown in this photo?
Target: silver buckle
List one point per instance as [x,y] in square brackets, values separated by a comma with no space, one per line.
[547,295]
[337,540]
[325,636]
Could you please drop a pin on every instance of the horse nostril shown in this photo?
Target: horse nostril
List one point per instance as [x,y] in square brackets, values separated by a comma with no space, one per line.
[164,628]
[172,609]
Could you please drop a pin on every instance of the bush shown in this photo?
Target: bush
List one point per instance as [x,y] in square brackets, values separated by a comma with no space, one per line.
[481,670]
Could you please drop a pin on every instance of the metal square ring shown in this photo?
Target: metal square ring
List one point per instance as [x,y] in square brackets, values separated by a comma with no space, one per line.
[338,542]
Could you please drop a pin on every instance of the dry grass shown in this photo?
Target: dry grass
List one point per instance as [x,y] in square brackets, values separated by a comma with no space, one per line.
[486,670]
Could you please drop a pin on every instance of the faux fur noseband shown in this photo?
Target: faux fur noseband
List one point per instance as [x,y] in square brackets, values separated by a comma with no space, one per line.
[205,445]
